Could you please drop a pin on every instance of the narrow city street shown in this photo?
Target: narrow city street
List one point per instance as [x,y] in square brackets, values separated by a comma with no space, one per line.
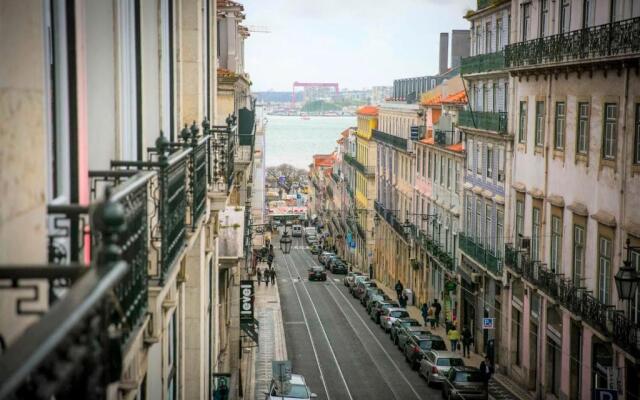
[332,341]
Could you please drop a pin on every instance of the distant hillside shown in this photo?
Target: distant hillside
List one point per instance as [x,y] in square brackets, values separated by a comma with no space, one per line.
[278,97]
[320,106]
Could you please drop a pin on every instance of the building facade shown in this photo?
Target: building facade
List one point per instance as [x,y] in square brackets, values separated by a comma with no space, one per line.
[123,222]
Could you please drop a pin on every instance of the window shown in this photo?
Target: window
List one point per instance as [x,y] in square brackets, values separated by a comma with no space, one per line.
[519,218]
[501,164]
[469,219]
[635,304]
[565,16]
[456,183]
[487,38]
[526,20]
[429,166]
[556,244]
[544,17]
[578,253]
[494,97]
[485,98]
[535,234]
[499,232]
[582,141]
[604,269]
[479,158]
[449,173]
[615,13]
[489,162]
[539,133]
[478,38]
[442,170]
[522,129]
[636,140]
[479,222]
[499,42]
[470,153]
[488,240]
[610,131]
[587,13]
[558,142]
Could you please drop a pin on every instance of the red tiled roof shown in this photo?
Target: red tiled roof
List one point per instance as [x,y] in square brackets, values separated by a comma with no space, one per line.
[371,111]
[456,147]
[456,98]
[427,140]
[323,160]
[432,101]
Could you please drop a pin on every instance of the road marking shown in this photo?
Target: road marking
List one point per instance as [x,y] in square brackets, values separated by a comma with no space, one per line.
[337,280]
[306,322]
[376,339]
[294,323]
[326,337]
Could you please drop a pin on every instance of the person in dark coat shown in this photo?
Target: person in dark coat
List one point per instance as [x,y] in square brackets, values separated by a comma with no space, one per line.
[272,274]
[438,308]
[270,260]
[399,289]
[486,370]
[402,300]
[467,339]
[259,276]
[425,313]
[266,276]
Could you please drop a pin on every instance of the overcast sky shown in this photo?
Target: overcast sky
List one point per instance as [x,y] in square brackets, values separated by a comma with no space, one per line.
[357,43]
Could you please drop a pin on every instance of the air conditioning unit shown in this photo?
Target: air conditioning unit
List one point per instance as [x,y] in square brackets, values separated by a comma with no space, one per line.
[476,278]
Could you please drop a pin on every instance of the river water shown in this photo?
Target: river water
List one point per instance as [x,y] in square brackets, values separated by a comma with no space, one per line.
[294,141]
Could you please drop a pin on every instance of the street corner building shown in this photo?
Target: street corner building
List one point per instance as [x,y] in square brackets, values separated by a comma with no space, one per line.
[130,149]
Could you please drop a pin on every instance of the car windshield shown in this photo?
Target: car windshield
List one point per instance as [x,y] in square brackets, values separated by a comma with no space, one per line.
[432,345]
[294,391]
[450,362]
[410,323]
[468,376]
[399,314]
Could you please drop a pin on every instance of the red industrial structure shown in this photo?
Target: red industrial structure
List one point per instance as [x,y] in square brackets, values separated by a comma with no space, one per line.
[313,85]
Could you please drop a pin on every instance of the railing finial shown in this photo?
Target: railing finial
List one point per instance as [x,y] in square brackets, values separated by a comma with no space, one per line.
[111,222]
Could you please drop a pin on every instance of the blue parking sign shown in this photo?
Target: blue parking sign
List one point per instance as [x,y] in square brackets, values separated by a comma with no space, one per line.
[488,323]
[605,394]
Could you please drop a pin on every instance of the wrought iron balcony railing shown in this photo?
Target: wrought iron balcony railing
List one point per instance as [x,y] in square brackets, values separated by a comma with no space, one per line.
[484,257]
[391,140]
[446,138]
[435,249]
[480,63]
[617,39]
[364,169]
[577,300]
[74,350]
[198,177]
[488,121]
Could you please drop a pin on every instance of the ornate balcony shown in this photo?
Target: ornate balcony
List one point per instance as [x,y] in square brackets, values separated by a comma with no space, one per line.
[482,256]
[488,121]
[391,140]
[364,169]
[617,40]
[435,249]
[481,63]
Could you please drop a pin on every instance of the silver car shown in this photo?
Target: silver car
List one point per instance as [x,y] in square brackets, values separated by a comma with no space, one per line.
[295,389]
[411,331]
[388,317]
[435,365]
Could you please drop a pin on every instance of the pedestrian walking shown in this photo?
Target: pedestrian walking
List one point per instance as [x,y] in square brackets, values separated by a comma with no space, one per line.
[432,316]
[399,289]
[454,336]
[402,300]
[438,308]
[425,313]
[270,260]
[266,276]
[467,339]
[486,370]
[259,275]
[273,276]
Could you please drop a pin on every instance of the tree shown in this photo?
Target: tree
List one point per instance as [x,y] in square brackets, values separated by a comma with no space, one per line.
[291,175]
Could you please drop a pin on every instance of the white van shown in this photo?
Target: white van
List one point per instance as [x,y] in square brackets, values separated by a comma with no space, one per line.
[296,231]
[310,231]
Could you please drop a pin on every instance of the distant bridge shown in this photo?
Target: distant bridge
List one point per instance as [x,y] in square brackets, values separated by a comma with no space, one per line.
[311,85]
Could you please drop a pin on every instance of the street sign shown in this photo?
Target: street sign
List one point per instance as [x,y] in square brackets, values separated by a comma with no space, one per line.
[605,394]
[246,301]
[488,323]
[281,180]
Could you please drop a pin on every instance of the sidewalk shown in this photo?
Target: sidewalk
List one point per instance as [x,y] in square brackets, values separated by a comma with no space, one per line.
[501,387]
[272,344]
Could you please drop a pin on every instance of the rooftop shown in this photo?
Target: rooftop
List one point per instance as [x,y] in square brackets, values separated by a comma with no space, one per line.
[371,111]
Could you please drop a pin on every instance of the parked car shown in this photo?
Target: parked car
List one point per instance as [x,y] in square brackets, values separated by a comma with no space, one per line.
[380,298]
[311,239]
[362,288]
[378,309]
[464,383]
[370,291]
[296,231]
[331,259]
[350,277]
[317,274]
[322,258]
[339,267]
[356,281]
[314,249]
[415,348]
[295,389]
[399,324]
[389,315]
[410,333]
[436,364]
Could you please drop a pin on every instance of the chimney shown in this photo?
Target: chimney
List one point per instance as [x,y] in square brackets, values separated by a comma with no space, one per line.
[444,52]
[460,46]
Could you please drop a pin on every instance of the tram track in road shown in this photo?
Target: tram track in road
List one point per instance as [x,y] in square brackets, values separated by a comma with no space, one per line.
[326,337]
[332,287]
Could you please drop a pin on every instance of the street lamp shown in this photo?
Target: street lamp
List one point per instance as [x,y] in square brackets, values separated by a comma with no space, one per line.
[627,280]
[376,220]
[406,227]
